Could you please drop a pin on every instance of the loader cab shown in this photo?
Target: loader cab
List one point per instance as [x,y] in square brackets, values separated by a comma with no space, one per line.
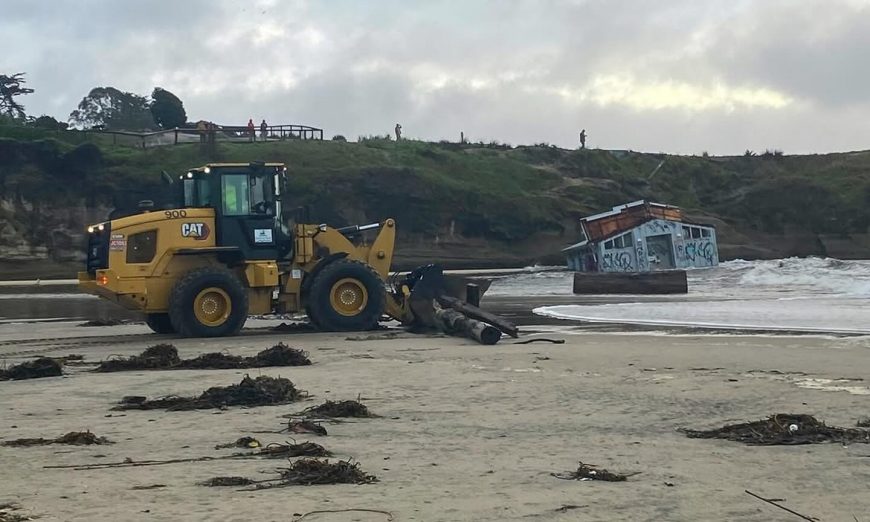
[246,201]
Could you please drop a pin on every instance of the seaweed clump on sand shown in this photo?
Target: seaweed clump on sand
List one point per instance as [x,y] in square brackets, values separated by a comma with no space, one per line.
[590,472]
[36,369]
[783,429]
[334,409]
[165,357]
[75,438]
[282,451]
[261,391]
[160,356]
[311,472]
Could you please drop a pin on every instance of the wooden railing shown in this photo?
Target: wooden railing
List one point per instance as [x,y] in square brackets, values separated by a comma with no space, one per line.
[225,133]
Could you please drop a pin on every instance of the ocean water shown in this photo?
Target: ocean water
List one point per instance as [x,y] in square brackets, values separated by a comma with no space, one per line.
[800,294]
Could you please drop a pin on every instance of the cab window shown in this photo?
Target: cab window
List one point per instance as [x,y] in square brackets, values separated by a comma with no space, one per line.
[236,195]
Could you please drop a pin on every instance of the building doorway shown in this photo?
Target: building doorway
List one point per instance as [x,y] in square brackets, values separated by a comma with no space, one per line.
[660,251]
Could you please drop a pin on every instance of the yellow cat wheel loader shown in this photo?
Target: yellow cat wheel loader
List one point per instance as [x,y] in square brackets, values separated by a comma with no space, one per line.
[227,249]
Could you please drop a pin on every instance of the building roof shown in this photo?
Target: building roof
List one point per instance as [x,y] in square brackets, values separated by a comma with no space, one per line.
[620,208]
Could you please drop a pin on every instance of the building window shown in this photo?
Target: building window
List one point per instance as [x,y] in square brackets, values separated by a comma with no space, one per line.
[623,241]
[696,233]
[705,232]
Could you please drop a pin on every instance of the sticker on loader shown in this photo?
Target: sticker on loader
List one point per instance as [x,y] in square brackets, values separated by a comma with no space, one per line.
[198,231]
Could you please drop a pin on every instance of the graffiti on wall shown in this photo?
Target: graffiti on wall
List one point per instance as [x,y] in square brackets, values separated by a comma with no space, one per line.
[659,227]
[696,251]
[617,261]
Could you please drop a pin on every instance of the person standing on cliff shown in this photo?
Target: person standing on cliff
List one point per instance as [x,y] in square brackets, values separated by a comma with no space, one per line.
[251,132]
[398,132]
[583,139]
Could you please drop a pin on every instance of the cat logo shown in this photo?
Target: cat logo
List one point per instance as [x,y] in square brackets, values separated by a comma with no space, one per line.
[198,231]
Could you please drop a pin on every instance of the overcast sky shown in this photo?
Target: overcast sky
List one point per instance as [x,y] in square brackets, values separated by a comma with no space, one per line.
[682,76]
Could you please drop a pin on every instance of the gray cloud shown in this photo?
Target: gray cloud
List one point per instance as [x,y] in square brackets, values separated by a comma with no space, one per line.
[707,75]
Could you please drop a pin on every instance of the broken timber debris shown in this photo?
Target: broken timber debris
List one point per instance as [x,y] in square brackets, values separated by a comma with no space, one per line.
[75,438]
[165,357]
[454,323]
[783,429]
[36,369]
[262,391]
[590,472]
[432,308]
[479,314]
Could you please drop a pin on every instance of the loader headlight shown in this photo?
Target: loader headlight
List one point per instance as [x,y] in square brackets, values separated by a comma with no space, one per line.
[101,227]
[90,230]
[207,170]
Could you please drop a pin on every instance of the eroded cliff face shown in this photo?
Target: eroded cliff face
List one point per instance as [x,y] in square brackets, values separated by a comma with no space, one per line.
[34,232]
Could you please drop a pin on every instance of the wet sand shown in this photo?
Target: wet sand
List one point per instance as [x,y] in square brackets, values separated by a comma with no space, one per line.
[467,432]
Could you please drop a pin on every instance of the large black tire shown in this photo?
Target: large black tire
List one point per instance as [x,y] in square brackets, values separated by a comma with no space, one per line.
[208,302]
[159,323]
[327,307]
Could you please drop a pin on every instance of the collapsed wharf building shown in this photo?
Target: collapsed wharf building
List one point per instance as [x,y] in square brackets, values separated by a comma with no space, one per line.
[642,237]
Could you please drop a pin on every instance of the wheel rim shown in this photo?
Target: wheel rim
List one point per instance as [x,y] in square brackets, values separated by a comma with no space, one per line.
[212,306]
[348,297]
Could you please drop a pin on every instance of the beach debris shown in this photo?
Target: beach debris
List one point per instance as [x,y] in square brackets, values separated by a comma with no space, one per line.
[302,516]
[333,409]
[8,513]
[75,438]
[270,451]
[773,502]
[592,472]
[540,340]
[311,472]
[374,337]
[165,357]
[149,486]
[287,450]
[294,328]
[243,442]
[102,322]
[35,369]
[261,391]
[782,429]
[863,423]
[305,426]
[226,481]
[159,356]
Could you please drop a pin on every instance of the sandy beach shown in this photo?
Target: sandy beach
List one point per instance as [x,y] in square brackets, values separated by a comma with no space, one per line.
[466,432]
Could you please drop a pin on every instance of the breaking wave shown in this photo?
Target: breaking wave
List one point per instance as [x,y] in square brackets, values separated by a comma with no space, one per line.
[809,294]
